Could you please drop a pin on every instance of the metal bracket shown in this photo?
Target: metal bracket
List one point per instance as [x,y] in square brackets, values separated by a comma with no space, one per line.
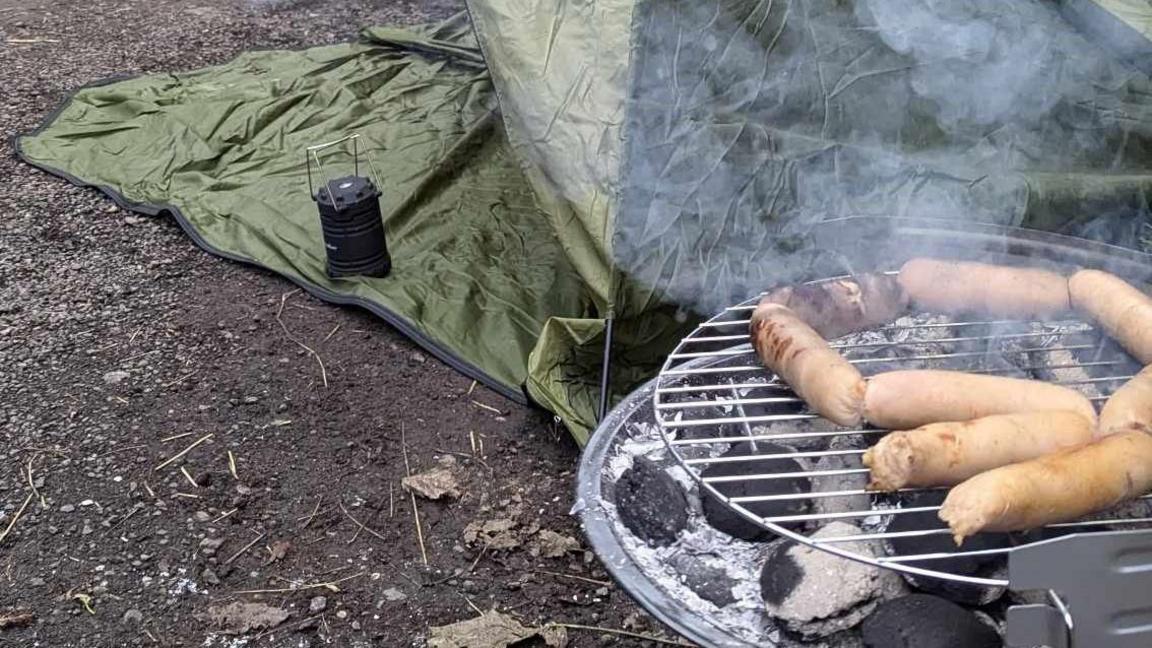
[1100,586]
[313,153]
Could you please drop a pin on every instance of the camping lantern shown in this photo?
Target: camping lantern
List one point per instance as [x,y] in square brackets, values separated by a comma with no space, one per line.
[350,217]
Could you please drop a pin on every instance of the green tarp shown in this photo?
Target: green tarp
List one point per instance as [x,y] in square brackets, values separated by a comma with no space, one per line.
[547,164]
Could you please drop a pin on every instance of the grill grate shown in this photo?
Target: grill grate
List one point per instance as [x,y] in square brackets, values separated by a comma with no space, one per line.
[713,392]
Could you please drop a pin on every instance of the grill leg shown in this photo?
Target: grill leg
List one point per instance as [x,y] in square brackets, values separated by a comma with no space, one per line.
[606,371]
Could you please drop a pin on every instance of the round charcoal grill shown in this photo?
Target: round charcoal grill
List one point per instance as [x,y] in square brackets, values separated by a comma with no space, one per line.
[714,392]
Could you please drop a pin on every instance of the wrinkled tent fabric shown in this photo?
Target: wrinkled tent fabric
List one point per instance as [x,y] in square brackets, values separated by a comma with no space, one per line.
[479,271]
[646,159]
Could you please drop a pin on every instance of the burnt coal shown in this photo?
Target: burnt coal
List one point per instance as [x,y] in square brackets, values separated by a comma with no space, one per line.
[710,583]
[966,593]
[923,621]
[650,503]
[727,521]
[813,593]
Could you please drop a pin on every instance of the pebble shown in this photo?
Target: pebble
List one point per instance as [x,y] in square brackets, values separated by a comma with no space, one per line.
[67,508]
[393,594]
[202,516]
[208,546]
[133,616]
[356,625]
[116,377]
[317,605]
[342,614]
[36,581]
[210,577]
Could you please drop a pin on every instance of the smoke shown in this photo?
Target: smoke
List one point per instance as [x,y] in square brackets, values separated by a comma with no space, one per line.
[751,122]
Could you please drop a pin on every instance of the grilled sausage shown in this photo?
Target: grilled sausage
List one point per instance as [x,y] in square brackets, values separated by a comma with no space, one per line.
[954,287]
[826,381]
[1119,307]
[842,306]
[1130,406]
[902,400]
[1059,487]
[944,454]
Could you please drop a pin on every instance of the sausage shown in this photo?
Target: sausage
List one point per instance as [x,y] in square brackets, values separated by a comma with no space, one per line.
[1130,406]
[944,454]
[841,306]
[902,400]
[826,381]
[954,287]
[1119,307]
[1060,487]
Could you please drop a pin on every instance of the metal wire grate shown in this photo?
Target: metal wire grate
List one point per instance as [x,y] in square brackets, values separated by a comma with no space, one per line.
[713,392]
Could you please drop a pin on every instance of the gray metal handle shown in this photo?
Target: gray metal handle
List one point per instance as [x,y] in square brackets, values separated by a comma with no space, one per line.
[1103,591]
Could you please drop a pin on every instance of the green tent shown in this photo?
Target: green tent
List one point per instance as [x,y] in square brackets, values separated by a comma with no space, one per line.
[548,166]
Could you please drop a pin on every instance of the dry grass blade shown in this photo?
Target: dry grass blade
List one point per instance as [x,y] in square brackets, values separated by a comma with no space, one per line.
[16,517]
[244,549]
[363,527]
[330,585]
[188,476]
[183,452]
[232,466]
[32,484]
[415,509]
[622,633]
[280,321]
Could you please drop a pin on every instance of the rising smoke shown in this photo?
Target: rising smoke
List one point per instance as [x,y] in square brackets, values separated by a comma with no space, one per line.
[752,121]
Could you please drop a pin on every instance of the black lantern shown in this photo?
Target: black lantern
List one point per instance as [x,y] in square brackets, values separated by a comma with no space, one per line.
[350,218]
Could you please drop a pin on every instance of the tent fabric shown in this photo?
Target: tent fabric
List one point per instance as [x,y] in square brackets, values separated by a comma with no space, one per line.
[478,272]
[547,165]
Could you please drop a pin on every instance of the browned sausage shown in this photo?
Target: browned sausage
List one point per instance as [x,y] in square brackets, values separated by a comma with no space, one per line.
[1059,487]
[841,306]
[902,400]
[943,454]
[826,381]
[998,291]
[1120,308]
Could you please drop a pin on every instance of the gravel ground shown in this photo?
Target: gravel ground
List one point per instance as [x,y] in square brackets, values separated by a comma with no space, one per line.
[122,343]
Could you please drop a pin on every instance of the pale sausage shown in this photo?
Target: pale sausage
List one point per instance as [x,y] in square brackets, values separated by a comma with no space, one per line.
[1059,487]
[954,287]
[902,400]
[1119,307]
[944,454]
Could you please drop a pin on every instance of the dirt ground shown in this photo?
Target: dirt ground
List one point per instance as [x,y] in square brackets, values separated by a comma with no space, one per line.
[122,345]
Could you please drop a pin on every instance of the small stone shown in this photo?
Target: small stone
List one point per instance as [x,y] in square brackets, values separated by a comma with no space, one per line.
[133,616]
[116,377]
[210,577]
[67,508]
[417,358]
[317,605]
[208,546]
[342,614]
[202,516]
[393,594]
[356,625]
[36,581]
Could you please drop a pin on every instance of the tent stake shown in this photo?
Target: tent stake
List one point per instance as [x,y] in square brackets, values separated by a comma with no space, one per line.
[605,375]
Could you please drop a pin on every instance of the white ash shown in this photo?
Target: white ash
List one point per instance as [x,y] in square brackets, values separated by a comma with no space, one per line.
[741,561]
[833,593]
